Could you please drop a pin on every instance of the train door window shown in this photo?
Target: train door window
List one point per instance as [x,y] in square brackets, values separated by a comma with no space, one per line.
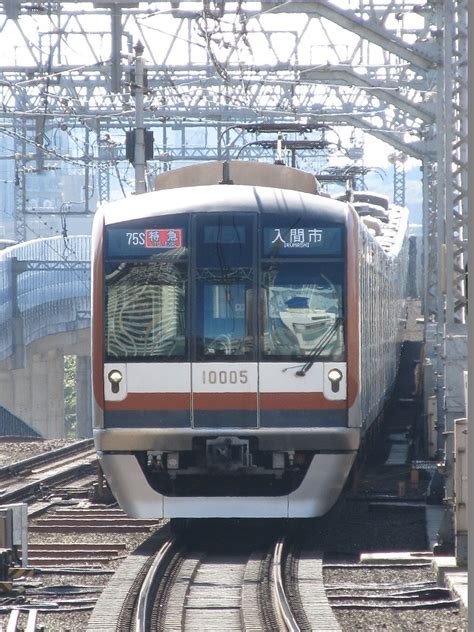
[224,288]
[302,310]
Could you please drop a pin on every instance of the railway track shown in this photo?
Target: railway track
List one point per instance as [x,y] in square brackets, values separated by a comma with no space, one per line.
[232,585]
[23,480]
[70,560]
[74,545]
[237,579]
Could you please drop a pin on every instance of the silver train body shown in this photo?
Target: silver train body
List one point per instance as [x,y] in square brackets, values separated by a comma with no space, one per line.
[245,334]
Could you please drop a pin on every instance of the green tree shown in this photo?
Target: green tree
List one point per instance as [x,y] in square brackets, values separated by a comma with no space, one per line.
[70,396]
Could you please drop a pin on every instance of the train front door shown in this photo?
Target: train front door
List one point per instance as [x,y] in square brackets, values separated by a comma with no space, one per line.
[224,371]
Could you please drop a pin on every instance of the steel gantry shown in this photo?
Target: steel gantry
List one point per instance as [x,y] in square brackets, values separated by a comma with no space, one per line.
[370,65]
[216,74]
[271,61]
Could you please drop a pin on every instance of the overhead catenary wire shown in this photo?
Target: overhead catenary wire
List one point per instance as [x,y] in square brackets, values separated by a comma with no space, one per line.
[223,18]
[235,31]
[244,79]
[87,161]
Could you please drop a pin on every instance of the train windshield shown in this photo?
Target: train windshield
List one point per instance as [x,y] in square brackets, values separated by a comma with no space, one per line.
[192,289]
[145,310]
[302,309]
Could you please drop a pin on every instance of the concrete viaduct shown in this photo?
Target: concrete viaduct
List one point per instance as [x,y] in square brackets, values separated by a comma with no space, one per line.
[44,317]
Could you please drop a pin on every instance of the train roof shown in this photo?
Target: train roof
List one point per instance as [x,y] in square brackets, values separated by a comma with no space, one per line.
[246,172]
[239,186]
[233,198]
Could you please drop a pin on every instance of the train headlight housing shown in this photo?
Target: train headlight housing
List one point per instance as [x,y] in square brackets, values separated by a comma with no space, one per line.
[115,377]
[335,377]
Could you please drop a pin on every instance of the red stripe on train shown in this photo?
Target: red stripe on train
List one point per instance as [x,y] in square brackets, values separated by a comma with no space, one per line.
[226,401]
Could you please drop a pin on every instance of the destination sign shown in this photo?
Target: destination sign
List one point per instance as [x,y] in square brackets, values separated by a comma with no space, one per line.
[302,242]
[126,242]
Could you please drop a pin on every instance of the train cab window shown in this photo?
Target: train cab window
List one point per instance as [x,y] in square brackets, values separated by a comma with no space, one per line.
[224,287]
[145,310]
[302,310]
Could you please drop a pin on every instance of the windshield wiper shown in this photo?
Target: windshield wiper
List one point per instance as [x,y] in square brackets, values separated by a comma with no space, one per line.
[319,347]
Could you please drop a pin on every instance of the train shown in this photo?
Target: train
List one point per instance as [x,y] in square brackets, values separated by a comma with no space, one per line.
[245,338]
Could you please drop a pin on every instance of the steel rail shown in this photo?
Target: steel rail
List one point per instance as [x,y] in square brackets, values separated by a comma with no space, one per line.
[14,469]
[147,593]
[57,473]
[279,596]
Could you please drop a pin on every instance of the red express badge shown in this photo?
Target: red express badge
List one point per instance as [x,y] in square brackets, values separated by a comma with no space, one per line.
[163,238]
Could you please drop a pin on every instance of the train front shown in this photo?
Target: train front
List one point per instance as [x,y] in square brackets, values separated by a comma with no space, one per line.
[225,351]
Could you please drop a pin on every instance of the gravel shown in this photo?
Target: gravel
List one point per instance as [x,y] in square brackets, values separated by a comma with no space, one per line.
[355,526]
[77,621]
[12,451]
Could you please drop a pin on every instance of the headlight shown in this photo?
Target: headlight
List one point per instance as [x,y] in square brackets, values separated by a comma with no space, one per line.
[335,377]
[115,377]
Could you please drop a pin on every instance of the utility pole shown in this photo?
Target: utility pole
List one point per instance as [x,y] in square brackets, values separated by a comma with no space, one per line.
[116,63]
[20,149]
[140,186]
